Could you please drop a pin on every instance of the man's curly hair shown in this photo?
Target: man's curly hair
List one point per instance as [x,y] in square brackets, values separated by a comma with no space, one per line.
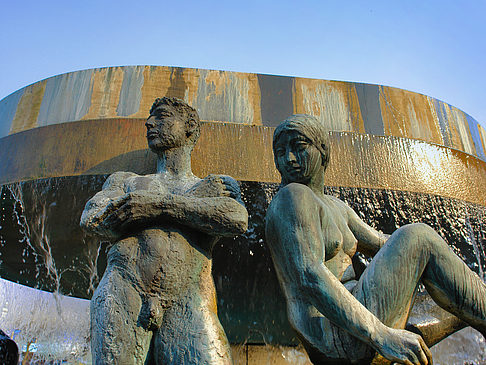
[193,124]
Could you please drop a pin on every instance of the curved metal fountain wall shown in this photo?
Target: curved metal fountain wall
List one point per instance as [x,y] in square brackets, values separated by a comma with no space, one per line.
[397,157]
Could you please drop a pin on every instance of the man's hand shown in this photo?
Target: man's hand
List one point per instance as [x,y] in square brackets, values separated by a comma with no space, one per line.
[128,210]
[216,186]
[403,347]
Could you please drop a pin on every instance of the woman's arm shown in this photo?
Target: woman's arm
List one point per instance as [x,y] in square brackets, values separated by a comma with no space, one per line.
[295,235]
[369,239]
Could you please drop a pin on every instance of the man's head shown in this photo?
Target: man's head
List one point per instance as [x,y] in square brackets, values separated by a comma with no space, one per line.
[172,123]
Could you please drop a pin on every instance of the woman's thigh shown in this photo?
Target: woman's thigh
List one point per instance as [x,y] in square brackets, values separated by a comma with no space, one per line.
[388,286]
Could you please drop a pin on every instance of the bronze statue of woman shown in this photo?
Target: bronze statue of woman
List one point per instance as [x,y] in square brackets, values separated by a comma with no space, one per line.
[312,238]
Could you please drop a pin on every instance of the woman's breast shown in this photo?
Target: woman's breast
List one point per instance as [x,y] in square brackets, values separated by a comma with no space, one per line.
[333,239]
[340,246]
[337,237]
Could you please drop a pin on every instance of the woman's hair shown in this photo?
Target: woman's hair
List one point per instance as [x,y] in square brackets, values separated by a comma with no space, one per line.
[311,128]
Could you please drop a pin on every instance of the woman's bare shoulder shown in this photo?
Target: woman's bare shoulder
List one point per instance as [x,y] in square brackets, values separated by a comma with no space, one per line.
[293,194]
[339,203]
[295,189]
[293,201]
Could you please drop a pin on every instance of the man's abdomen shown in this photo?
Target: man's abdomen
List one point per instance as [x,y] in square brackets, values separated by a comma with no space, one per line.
[163,262]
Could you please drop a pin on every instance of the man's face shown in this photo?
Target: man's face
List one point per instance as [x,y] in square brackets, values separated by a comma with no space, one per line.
[165,129]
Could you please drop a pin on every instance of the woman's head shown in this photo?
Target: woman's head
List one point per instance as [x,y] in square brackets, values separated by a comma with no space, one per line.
[309,127]
[301,150]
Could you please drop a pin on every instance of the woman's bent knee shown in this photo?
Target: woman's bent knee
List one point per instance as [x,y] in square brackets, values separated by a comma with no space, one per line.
[417,229]
[420,237]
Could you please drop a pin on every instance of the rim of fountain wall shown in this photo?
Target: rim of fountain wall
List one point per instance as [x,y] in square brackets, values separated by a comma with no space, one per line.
[245,152]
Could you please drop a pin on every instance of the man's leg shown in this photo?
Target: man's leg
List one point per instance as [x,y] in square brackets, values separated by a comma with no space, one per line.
[115,336]
[191,334]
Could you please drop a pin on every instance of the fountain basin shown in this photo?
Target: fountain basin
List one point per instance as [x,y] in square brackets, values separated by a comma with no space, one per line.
[397,157]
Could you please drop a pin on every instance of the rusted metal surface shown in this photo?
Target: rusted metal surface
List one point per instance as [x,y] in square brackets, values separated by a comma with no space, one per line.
[244,152]
[242,98]
[338,105]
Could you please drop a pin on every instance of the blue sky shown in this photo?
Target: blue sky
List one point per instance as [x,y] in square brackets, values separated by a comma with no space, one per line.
[433,47]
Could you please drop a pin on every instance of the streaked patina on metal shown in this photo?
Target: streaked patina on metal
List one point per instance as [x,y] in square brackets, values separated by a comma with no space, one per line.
[243,98]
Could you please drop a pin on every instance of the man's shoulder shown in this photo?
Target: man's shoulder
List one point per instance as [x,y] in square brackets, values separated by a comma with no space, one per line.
[118,178]
[221,177]
[224,179]
[123,174]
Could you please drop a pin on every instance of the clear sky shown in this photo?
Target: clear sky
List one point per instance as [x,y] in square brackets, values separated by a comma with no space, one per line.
[434,47]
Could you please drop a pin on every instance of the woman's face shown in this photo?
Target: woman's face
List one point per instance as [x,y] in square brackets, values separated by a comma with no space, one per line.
[296,158]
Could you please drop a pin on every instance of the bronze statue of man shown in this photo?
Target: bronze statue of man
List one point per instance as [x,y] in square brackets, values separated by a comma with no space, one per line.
[312,238]
[156,302]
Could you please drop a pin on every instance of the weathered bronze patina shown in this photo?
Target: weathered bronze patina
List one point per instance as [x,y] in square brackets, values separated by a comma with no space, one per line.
[313,237]
[156,302]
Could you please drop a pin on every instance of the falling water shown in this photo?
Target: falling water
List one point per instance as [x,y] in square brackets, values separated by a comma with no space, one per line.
[39,243]
[251,306]
[47,326]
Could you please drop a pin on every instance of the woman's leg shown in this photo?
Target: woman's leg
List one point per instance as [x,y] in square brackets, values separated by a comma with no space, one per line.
[416,252]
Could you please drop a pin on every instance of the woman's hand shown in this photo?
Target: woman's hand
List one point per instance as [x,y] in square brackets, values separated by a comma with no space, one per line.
[403,347]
